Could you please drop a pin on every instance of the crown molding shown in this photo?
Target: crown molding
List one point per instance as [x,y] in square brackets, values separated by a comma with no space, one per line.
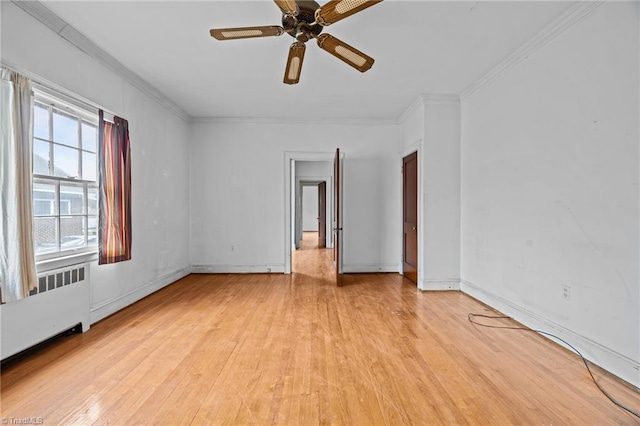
[291,120]
[413,106]
[427,98]
[440,98]
[43,14]
[569,18]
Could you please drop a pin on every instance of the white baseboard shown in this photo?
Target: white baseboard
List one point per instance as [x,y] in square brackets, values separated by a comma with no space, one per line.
[615,363]
[364,268]
[112,306]
[445,284]
[237,269]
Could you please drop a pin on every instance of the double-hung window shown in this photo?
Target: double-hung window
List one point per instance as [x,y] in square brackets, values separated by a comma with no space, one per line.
[65,191]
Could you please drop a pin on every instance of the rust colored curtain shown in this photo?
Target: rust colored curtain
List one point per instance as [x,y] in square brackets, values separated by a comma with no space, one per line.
[114,225]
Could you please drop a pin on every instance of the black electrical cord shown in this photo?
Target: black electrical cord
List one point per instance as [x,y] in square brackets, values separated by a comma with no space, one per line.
[507,327]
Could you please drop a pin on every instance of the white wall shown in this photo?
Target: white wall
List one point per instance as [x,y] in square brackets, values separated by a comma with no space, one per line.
[431,126]
[310,208]
[550,189]
[237,193]
[160,161]
[413,127]
[440,190]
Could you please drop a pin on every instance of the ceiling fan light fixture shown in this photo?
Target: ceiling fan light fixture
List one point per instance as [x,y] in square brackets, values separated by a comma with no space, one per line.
[294,63]
[336,10]
[304,20]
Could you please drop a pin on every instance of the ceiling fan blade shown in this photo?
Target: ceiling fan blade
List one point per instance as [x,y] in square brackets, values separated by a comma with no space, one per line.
[246,32]
[344,52]
[336,10]
[288,7]
[294,63]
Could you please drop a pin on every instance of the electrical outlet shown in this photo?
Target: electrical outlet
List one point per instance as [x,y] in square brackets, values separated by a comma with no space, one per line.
[566,292]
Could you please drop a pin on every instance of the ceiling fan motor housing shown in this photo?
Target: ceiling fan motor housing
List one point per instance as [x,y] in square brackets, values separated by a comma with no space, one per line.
[300,27]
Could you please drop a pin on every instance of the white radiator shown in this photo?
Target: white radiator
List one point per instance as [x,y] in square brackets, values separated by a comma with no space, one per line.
[60,302]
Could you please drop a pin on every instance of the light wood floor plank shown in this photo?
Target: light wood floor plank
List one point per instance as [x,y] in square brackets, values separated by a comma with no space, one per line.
[277,349]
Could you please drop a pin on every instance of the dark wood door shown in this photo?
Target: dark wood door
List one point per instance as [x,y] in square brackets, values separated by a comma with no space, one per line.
[322,214]
[337,218]
[410,216]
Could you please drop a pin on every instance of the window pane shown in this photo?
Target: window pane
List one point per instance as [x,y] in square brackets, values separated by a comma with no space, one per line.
[65,162]
[93,230]
[41,122]
[65,129]
[41,157]
[72,232]
[45,231]
[71,200]
[88,166]
[92,200]
[44,199]
[89,137]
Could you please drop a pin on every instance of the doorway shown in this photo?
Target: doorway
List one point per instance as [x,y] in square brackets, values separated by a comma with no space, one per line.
[306,169]
[311,219]
[410,217]
[312,251]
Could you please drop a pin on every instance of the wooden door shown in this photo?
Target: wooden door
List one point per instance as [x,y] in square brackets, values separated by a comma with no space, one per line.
[410,216]
[337,218]
[322,214]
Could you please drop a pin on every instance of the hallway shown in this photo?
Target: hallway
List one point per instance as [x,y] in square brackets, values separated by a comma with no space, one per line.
[311,261]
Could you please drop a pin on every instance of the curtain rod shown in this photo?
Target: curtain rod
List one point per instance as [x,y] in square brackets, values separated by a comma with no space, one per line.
[53,89]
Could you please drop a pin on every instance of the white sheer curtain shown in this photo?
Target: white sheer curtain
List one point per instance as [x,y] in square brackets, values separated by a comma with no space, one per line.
[17,258]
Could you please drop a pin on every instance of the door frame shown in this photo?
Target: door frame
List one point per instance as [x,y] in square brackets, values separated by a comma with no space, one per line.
[322,215]
[413,157]
[290,157]
[415,147]
[311,181]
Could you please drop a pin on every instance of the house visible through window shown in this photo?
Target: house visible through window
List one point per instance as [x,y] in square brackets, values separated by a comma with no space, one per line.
[65,192]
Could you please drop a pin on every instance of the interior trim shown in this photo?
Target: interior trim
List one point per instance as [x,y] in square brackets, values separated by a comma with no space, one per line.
[43,14]
[427,98]
[274,268]
[608,359]
[294,120]
[113,305]
[569,18]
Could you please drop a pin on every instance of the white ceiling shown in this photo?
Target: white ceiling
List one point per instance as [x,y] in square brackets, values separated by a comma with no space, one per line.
[420,47]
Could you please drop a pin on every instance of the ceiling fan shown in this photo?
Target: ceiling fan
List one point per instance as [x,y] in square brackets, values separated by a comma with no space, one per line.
[304,20]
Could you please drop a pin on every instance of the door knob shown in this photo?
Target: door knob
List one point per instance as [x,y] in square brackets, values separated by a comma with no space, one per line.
[415,228]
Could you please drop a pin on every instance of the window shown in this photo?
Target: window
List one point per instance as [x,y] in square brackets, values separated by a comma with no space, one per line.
[65,192]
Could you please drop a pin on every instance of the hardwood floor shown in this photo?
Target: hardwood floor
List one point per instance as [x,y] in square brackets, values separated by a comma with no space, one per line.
[277,349]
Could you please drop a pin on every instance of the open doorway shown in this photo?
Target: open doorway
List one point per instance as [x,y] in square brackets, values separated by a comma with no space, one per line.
[313,167]
[312,214]
[312,209]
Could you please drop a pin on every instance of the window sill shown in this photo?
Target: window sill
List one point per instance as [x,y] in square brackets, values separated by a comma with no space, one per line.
[65,261]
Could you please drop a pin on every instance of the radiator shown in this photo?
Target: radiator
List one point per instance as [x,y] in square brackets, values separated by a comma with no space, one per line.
[59,302]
